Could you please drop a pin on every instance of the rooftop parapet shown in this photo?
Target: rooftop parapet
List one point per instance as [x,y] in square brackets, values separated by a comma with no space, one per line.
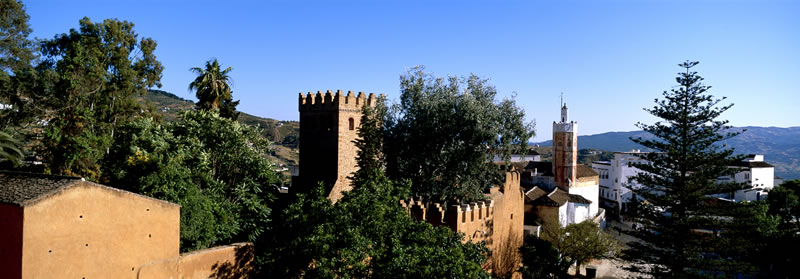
[435,213]
[335,101]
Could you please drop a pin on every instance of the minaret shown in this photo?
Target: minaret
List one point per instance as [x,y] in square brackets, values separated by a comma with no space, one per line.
[565,150]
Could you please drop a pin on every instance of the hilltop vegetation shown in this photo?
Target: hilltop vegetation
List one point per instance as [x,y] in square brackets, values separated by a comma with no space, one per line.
[283,134]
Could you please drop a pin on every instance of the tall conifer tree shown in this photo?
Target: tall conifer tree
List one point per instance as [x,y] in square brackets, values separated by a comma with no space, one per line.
[683,226]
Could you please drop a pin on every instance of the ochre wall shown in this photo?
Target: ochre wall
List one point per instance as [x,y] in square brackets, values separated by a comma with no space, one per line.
[588,181]
[10,241]
[92,231]
[230,261]
[508,228]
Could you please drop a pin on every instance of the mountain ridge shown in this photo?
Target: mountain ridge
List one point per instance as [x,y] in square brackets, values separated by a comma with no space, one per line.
[779,145]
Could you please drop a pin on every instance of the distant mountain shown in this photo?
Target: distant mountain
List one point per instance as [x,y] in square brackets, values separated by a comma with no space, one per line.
[780,146]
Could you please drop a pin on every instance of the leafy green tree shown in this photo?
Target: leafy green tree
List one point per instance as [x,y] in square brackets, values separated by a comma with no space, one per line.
[366,234]
[21,87]
[213,87]
[541,260]
[444,132]
[783,203]
[16,50]
[212,166]
[579,243]
[98,70]
[682,224]
[228,109]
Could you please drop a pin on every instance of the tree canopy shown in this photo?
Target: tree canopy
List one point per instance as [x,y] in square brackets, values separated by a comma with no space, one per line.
[445,131]
[98,69]
[541,260]
[212,166]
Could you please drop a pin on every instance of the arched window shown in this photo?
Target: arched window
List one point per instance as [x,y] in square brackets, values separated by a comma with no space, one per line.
[352,124]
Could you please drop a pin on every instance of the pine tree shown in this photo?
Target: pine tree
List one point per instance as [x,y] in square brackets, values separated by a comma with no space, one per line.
[683,226]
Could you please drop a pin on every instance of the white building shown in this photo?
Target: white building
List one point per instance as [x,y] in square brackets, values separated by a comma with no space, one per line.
[754,172]
[615,178]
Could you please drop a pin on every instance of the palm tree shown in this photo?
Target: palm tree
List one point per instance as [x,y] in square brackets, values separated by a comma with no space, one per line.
[213,85]
[9,147]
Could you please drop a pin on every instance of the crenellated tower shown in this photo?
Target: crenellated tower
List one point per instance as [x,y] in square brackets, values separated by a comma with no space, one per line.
[565,150]
[328,128]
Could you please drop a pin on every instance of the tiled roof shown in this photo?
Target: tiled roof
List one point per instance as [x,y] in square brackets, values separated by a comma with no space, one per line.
[534,193]
[578,199]
[559,197]
[17,188]
[585,171]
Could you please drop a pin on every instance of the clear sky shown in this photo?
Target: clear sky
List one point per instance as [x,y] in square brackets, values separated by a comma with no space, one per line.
[610,58]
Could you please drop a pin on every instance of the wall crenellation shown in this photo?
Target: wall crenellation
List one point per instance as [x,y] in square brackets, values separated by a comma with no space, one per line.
[335,101]
[454,215]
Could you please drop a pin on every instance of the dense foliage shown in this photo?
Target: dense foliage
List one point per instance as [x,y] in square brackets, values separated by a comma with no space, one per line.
[98,69]
[784,203]
[444,132]
[212,166]
[685,231]
[541,260]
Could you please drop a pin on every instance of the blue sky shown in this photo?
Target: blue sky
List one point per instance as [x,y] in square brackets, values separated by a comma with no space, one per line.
[610,58]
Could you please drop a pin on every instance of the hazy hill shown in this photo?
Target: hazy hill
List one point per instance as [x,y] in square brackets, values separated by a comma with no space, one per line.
[780,146]
[284,134]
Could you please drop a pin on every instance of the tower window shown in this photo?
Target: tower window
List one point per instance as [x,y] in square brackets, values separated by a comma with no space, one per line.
[352,124]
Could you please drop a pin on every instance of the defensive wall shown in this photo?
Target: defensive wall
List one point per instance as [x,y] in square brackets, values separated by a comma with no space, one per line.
[498,221]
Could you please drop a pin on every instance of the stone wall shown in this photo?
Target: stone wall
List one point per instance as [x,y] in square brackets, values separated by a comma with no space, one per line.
[328,126]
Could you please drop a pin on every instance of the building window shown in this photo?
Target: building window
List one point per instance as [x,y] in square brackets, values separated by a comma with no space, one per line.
[352,123]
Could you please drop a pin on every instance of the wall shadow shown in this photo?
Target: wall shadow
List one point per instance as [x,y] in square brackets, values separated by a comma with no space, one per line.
[241,267]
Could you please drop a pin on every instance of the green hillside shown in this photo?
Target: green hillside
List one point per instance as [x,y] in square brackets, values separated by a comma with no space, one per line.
[284,134]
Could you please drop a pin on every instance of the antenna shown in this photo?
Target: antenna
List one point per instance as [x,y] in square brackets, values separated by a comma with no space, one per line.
[562,100]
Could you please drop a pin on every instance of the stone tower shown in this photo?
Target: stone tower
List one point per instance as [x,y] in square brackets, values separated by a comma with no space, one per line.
[328,128]
[565,150]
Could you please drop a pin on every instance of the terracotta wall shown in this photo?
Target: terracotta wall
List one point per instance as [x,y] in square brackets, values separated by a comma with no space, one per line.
[230,261]
[10,241]
[93,231]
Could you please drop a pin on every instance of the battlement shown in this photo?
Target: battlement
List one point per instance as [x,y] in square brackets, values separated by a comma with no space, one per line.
[455,216]
[335,101]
